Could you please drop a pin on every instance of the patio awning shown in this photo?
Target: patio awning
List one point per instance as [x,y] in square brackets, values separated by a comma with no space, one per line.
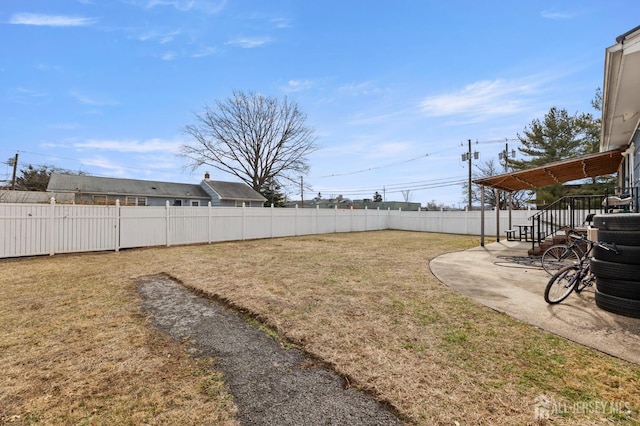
[591,165]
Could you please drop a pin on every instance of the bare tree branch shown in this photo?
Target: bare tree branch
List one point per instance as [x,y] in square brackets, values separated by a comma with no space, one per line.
[255,138]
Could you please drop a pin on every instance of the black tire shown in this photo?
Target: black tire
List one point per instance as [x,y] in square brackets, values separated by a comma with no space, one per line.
[557,257]
[617,221]
[618,305]
[619,288]
[626,254]
[619,271]
[561,284]
[624,238]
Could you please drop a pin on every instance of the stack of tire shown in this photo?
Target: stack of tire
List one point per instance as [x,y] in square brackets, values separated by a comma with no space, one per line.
[618,274]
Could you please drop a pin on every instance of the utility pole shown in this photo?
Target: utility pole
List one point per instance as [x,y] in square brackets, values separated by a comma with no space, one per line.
[15,169]
[302,191]
[504,155]
[467,157]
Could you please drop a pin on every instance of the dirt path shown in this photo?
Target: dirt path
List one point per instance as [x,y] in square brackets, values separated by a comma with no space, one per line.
[270,385]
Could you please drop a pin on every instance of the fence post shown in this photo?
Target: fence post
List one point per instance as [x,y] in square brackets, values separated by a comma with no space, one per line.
[272,211]
[243,220]
[366,214]
[335,219]
[317,218]
[295,223]
[52,222]
[498,218]
[166,220]
[117,227]
[351,219]
[209,222]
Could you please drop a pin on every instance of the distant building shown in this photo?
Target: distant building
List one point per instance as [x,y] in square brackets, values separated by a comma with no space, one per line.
[40,197]
[134,192]
[341,202]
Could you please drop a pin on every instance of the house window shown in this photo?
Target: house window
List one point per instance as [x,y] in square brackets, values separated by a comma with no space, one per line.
[195,204]
[136,201]
[99,200]
[177,202]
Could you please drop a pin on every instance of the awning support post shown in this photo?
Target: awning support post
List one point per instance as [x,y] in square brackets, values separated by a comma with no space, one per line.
[498,215]
[482,217]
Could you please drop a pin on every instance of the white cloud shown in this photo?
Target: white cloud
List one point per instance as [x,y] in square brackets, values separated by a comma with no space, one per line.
[28,96]
[206,51]
[86,100]
[151,145]
[389,150]
[206,6]
[298,85]
[115,170]
[64,126]
[183,5]
[50,20]
[481,100]
[553,14]
[169,56]
[162,38]
[361,119]
[281,23]
[250,42]
[29,93]
[364,88]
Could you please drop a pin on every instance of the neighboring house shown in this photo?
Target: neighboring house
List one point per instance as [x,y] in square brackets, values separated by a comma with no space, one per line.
[230,194]
[134,192]
[7,196]
[621,109]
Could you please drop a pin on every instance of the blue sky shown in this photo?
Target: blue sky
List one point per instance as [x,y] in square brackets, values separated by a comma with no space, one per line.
[393,89]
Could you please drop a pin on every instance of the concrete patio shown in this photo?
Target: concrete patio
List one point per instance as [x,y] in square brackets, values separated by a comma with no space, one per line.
[503,277]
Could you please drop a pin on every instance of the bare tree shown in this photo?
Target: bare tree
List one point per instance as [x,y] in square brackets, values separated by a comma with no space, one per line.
[258,139]
[490,168]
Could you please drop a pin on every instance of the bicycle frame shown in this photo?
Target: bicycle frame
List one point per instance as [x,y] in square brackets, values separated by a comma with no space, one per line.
[573,277]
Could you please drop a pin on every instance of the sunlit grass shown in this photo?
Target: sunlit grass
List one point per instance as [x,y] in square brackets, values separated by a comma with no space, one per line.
[77,348]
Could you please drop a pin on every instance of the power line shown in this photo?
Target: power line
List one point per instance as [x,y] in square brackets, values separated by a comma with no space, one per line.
[368,169]
[398,188]
[371,168]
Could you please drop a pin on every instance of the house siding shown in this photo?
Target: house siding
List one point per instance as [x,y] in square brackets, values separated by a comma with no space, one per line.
[635,175]
[94,190]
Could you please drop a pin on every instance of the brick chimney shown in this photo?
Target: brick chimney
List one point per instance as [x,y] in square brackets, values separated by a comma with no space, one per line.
[206,176]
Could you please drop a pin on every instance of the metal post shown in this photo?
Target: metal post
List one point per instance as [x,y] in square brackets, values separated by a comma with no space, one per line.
[469,155]
[482,217]
[15,169]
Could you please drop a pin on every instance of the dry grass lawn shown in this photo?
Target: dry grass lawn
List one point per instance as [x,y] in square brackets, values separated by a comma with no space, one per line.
[76,349]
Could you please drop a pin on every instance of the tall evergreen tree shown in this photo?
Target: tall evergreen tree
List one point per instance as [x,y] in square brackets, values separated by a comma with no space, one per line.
[560,136]
[272,191]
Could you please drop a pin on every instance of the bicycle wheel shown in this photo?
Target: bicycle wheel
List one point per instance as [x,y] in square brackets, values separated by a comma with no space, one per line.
[561,284]
[557,257]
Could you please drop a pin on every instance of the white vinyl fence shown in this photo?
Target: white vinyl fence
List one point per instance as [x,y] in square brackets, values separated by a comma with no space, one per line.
[41,229]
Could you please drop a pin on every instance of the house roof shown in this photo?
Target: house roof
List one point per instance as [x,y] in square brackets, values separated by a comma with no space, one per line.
[620,100]
[234,191]
[591,165]
[7,196]
[117,186]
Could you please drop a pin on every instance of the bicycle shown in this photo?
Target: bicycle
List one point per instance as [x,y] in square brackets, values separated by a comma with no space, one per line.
[559,256]
[574,277]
